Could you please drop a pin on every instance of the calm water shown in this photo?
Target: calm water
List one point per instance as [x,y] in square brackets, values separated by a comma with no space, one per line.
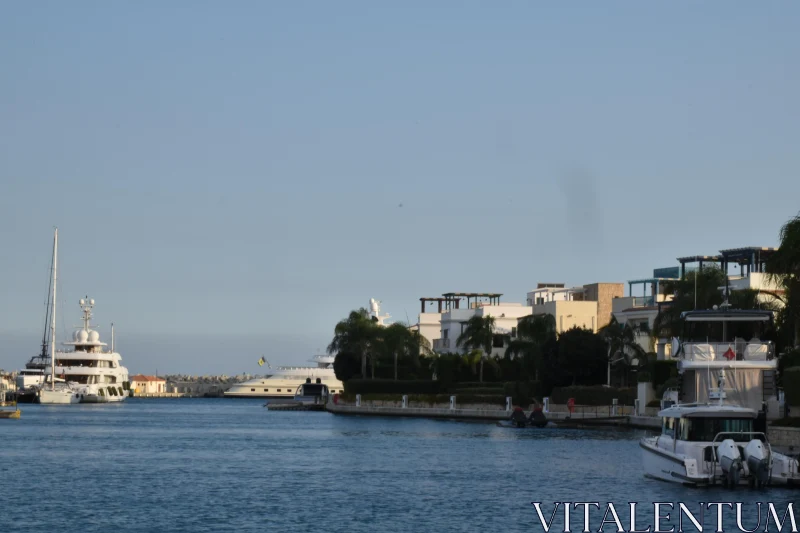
[231,465]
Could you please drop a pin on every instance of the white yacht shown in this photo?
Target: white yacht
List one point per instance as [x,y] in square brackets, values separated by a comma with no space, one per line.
[715,443]
[284,381]
[95,373]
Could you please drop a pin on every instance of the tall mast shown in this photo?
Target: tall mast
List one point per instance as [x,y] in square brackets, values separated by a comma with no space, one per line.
[112,337]
[53,319]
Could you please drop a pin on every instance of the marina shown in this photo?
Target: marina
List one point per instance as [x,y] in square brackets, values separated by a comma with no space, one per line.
[255,461]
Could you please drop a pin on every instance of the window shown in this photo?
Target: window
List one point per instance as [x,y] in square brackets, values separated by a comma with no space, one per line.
[279,390]
[445,333]
[266,390]
[513,333]
[705,429]
[252,390]
[669,427]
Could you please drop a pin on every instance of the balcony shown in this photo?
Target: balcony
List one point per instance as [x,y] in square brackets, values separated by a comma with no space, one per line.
[443,345]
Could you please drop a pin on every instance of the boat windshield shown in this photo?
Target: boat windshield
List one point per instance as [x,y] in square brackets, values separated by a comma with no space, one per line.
[697,331]
[705,429]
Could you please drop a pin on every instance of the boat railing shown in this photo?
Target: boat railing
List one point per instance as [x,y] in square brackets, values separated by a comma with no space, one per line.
[738,350]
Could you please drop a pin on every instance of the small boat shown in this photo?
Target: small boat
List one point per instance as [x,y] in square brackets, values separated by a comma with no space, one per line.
[520,420]
[715,444]
[5,413]
[308,397]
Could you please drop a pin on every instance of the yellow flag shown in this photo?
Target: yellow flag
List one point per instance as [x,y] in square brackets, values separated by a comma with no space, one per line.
[261,361]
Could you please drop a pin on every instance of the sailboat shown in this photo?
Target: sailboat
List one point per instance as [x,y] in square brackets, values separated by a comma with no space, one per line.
[50,394]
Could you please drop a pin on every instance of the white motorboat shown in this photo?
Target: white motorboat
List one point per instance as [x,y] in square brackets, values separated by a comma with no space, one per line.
[714,443]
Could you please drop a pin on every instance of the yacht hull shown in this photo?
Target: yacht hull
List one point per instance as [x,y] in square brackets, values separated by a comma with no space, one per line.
[58,397]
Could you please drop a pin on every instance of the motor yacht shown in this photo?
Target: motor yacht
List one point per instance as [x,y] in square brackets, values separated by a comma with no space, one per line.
[284,381]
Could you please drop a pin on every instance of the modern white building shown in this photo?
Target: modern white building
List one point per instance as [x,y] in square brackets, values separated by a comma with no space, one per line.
[454,311]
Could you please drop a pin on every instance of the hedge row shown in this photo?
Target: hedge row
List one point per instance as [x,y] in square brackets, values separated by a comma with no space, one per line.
[594,395]
[390,386]
[791,386]
[477,390]
[661,371]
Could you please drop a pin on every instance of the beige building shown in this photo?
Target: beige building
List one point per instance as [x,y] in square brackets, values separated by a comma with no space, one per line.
[588,307]
[148,384]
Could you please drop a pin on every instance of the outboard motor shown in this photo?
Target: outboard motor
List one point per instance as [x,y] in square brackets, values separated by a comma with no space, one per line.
[758,460]
[538,419]
[518,417]
[730,460]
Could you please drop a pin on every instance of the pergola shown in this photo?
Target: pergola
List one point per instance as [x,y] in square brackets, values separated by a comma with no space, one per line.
[455,297]
[749,259]
[701,259]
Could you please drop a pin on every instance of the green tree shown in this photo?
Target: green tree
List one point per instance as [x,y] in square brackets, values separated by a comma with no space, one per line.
[345,365]
[533,332]
[397,341]
[478,335]
[696,290]
[784,268]
[583,354]
[622,345]
[356,334]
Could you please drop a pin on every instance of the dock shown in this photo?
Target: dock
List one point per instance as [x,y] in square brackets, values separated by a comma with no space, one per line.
[294,406]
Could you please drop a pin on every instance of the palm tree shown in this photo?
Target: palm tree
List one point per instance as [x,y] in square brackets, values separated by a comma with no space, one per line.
[621,341]
[784,267]
[532,333]
[396,341]
[357,333]
[478,335]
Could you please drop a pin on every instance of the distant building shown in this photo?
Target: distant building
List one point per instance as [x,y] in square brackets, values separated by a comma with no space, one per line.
[588,307]
[640,312]
[141,384]
[454,309]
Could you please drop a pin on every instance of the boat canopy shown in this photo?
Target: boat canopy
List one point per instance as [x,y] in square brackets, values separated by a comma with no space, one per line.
[707,411]
[732,315]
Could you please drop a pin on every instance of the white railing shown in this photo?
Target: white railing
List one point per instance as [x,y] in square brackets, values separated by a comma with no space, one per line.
[727,351]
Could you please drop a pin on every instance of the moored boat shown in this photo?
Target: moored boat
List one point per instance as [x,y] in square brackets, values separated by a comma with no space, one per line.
[715,444]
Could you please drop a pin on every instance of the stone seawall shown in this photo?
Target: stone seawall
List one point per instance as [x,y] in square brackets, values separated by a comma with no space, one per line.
[487,412]
[785,438]
[468,413]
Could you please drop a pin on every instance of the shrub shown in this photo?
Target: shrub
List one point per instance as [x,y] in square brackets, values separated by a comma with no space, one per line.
[671,383]
[522,392]
[476,390]
[662,371]
[644,377]
[390,386]
[791,386]
[594,395]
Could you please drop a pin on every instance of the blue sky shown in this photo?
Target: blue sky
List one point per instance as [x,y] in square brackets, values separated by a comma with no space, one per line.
[227,177]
